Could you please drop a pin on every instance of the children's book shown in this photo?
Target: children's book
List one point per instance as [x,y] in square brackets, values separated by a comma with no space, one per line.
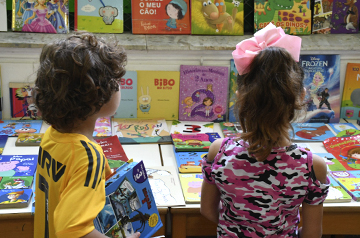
[3,16]
[232,89]
[345,17]
[217,17]
[190,161]
[322,83]
[1,94]
[203,93]
[310,132]
[16,127]
[350,181]
[350,104]
[336,192]
[161,17]
[16,182]
[137,131]
[322,17]
[331,162]
[194,142]
[102,127]
[3,140]
[165,185]
[191,187]
[29,139]
[158,94]
[22,104]
[191,127]
[128,104]
[230,129]
[346,128]
[40,16]
[15,198]
[130,205]
[18,165]
[293,16]
[103,16]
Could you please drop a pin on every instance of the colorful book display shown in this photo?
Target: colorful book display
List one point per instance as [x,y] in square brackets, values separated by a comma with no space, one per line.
[194,142]
[229,129]
[191,187]
[350,181]
[336,192]
[29,139]
[189,162]
[16,127]
[311,132]
[3,16]
[18,165]
[128,104]
[161,17]
[232,89]
[191,127]
[15,198]
[350,104]
[102,127]
[103,16]
[16,182]
[22,104]
[113,151]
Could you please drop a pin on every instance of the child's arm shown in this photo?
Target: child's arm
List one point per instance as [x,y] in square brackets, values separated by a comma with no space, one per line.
[97,234]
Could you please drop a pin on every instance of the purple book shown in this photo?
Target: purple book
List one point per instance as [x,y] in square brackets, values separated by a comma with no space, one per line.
[345,17]
[203,93]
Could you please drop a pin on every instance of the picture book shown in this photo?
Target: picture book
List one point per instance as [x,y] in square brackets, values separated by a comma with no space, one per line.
[345,17]
[3,140]
[191,187]
[130,205]
[40,16]
[102,127]
[340,127]
[190,161]
[350,181]
[103,16]
[293,16]
[3,16]
[350,104]
[165,185]
[322,83]
[161,17]
[310,132]
[16,182]
[230,129]
[128,103]
[194,142]
[137,131]
[15,198]
[217,17]
[113,151]
[18,165]
[158,94]
[22,104]
[322,17]
[232,89]
[16,127]
[191,127]
[336,192]
[1,94]
[203,93]
[331,162]
[29,139]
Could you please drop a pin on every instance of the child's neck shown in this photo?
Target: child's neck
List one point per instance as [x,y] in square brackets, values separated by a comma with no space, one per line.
[86,127]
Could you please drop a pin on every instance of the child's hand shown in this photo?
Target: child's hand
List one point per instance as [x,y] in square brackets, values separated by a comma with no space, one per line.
[135,235]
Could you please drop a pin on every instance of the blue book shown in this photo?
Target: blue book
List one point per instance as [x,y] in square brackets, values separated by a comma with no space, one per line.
[128,104]
[232,89]
[310,132]
[3,139]
[189,161]
[18,165]
[15,198]
[16,127]
[346,129]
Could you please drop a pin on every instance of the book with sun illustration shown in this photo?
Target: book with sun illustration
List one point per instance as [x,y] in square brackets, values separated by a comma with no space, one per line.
[191,186]
[15,198]
[191,127]
[310,132]
[343,129]
[350,181]
[194,142]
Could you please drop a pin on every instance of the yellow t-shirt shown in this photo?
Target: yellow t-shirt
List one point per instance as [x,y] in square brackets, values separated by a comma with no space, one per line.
[70,185]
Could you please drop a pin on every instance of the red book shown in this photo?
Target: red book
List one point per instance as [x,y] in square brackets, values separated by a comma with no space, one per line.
[113,151]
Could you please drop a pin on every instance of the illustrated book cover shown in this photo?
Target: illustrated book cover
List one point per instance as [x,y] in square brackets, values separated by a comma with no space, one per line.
[130,205]
[194,142]
[340,127]
[203,93]
[293,16]
[232,89]
[192,127]
[161,17]
[16,127]
[345,17]
[16,182]
[128,103]
[3,140]
[18,165]
[40,16]
[103,16]
[230,129]
[350,181]
[310,132]
[137,131]
[15,198]
[322,17]
[165,185]
[189,161]
[29,139]
[332,163]
[3,16]
[336,192]
[102,127]
[191,187]
[158,94]
[350,104]
[322,83]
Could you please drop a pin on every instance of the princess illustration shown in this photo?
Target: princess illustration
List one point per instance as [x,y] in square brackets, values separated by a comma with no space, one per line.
[207,102]
[314,86]
[56,16]
[189,103]
[27,7]
[41,23]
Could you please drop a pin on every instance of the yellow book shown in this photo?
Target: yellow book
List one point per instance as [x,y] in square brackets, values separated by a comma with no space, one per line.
[191,186]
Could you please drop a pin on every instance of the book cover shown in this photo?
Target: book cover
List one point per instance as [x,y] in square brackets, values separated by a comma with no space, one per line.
[192,127]
[293,16]
[339,127]
[130,205]
[191,187]
[194,142]
[29,139]
[331,162]
[190,161]
[165,185]
[336,192]
[322,17]
[128,103]
[102,127]
[1,95]
[40,16]
[345,17]
[3,16]
[203,93]
[310,132]
[103,16]
[16,127]
[15,198]
[16,182]
[18,165]
[158,94]
[113,151]
[350,181]
[161,17]
[232,89]
[217,17]
[137,131]
[350,104]
[3,140]
[229,129]
[322,83]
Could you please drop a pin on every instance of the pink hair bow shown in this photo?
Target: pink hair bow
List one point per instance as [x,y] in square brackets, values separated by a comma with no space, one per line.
[247,49]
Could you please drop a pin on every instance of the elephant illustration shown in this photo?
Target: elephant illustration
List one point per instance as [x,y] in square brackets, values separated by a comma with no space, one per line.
[108,14]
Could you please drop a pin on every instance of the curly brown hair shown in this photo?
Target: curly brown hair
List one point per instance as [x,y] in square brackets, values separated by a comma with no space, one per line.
[269,97]
[76,77]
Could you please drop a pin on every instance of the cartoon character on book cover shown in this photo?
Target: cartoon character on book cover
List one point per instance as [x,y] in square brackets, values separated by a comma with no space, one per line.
[17,165]
[16,182]
[15,196]
[22,103]
[345,17]
[322,17]
[102,127]
[350,180]
[16,127]
[350,104]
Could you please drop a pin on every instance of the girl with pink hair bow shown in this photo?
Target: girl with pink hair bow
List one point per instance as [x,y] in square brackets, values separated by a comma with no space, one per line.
[254,185]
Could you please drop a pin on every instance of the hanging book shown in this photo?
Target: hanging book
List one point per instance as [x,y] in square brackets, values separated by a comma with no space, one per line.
[232,89]
[102,127]
[16,182]
[18,165]
[128,103]
[191,186]
[350,181]
[16,127]
[15,198]
[350,104]
[191,127]
[310,132]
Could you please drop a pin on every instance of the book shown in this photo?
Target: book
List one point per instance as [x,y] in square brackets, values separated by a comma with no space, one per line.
[40,16]
[130,205]
[331,162]
[350,104]
[29,139]
[102,127]
[345,17]
[15,198]
[190,161]
[322,83]
[232,91]
[293,16]
[191,187]
[18,165]
[322,17]
[161,17]
[192,127]
[103,16]
[16,182]
[158,94]
[165,185]
[128,103]
[350,181]
[310,132]
[3,16]
[340,127]
[1,95]
[16,127]
[336,192]
[203,93]
[194,142]
[137,131]
[3,140]
[229,129]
